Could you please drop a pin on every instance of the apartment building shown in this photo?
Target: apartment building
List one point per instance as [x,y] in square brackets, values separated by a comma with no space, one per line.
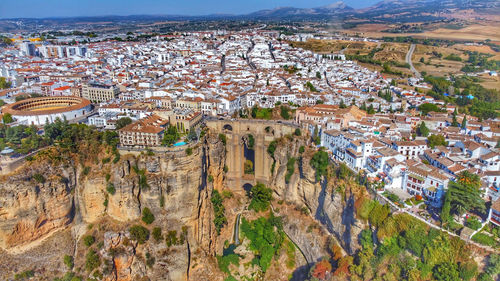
[410,149]
[494,214]
[425,180]
[143,133]
[97,92]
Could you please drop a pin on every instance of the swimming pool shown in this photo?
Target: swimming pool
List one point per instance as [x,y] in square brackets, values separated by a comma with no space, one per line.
[181,143]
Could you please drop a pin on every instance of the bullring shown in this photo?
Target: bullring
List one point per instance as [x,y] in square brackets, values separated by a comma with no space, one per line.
[42,110]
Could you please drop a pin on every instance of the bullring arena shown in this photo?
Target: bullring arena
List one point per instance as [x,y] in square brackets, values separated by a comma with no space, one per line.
[42,110]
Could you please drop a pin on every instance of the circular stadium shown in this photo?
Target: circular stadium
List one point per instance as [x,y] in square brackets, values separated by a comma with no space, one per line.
[42,110]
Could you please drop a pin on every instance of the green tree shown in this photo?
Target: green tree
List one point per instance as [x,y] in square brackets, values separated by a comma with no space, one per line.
[92,260]
[122,122]
[366,239]
[290,168]
[272,148]
[7,118]
[484,277]
[4,84]
[342,104]
[370,109]
[378,214]
[445,209]
[464,193]
[464,122]
[467,270]
[223,138]
[248,167]
[493,267]
[435,140]
[302,149]
[319,162]
[363,106]
[68,261]
[139,233]
[88,240]
[446,271]
[261,197]
[285,112]
[157,236]
[422,130]
[318,75]
[315,136]
[343,172]
[454,123]
[110,188]
[147,216]
[473,223]
[428,107]
[219,218]
[266,237]
[171,136]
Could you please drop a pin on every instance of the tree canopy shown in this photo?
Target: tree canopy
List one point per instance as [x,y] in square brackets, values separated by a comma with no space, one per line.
[464,194]
[122,122]
[422,130]
[435,140]
[171,136]
[319,162]
[428,107]
[261,197]
[4,84]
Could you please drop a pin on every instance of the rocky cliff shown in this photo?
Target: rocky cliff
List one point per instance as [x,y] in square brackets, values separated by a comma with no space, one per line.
[334,210]
[103,199]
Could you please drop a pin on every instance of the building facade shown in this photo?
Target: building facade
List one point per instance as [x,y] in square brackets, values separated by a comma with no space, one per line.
[96,92]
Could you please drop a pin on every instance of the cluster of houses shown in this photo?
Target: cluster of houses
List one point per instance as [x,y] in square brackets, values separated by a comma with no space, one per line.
[386,147]
[174,80]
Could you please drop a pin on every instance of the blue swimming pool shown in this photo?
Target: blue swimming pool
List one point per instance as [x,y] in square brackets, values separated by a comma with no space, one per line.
[181,143]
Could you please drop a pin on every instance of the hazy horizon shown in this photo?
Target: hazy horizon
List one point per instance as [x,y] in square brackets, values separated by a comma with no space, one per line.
[64,8]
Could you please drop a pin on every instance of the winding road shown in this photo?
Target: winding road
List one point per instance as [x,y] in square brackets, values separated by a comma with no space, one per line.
[409,55]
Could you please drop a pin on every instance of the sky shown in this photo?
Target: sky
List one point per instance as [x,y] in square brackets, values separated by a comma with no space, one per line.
[72,8]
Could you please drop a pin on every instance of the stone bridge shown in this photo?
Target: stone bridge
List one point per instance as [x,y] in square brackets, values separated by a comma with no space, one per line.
[237,131]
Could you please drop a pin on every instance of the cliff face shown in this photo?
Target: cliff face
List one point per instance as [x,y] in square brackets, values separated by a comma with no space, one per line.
[30,209]
[177,190]
[334,210]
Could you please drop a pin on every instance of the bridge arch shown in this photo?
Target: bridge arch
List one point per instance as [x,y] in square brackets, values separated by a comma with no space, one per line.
[228,127]
[237,150]
[269,130]
[247,187]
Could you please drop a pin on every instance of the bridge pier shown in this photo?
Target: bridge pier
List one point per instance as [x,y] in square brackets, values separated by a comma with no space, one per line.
[264,133]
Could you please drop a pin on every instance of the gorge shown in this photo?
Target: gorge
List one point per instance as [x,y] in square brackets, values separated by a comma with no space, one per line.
[146,215]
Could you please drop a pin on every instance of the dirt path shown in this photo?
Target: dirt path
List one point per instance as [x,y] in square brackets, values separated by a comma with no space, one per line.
[409,55]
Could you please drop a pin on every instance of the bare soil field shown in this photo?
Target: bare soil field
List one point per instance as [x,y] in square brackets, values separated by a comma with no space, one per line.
[331,46]
[476,32]
[392,51]
[480,49]
[490,82]
[434,65]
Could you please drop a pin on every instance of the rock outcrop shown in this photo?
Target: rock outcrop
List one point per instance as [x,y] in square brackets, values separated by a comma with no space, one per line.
[177,188]
[335,211]
[34,203]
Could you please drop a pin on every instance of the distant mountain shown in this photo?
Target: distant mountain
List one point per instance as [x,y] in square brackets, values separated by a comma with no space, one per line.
[387,11]
[332,10]
[413,10]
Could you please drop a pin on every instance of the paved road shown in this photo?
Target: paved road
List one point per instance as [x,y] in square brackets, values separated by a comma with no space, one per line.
[408,61]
